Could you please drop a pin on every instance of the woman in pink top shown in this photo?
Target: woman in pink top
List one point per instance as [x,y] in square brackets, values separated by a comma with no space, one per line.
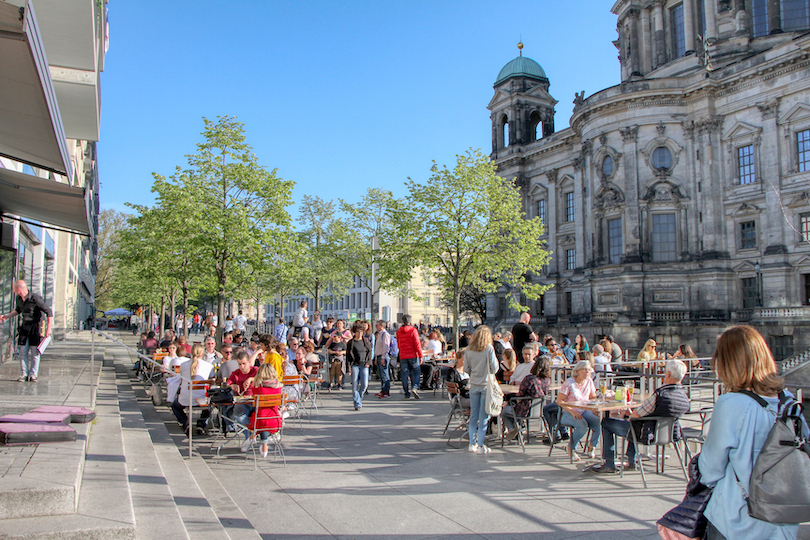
[579,387]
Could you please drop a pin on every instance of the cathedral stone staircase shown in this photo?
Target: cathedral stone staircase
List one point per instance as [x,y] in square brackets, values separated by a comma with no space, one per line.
[124,478]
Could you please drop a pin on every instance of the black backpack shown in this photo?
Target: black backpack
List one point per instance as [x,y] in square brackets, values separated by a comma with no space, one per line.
[779,491]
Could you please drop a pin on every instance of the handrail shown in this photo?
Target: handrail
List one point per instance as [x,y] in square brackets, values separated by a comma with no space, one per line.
[189,381]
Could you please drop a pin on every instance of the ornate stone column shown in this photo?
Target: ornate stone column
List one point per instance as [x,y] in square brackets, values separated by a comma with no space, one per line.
[632,15]
[710,9]
[688,27]
[774,17]
[646,47]
[660,43]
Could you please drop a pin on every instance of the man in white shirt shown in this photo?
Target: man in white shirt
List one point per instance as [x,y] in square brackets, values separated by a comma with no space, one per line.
[300,319]
[317,327]
[529,352]
[239,322]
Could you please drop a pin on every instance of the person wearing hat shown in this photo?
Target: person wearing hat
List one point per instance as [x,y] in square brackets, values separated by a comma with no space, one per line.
[568,351]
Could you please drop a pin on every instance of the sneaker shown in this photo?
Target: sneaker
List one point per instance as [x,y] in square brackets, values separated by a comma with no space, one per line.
[603,469]
[264,450]
[383,396]
[415,395]
[407,396]
[356,408]
[564,437]
[590,451]
[573,455]
[246,445]
[472,448]
[483,449]
[22,379]
[630,467]
[32,379]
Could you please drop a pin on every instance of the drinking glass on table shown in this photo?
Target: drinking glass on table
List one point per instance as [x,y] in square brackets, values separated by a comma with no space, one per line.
[629,394]
[603,385]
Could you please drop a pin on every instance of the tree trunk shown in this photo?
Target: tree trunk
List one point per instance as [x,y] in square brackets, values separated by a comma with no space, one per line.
[185,312]
[173,300]
[456,309]
[220,314]
[317,294]
[162,321]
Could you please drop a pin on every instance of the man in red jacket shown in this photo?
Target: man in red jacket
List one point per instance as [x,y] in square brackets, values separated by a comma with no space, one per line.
[410,356]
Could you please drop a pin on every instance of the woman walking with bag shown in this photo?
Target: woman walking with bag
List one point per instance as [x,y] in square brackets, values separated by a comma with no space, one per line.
[479,361]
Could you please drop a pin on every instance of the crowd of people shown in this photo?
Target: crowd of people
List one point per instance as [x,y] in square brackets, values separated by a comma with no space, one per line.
[352,351]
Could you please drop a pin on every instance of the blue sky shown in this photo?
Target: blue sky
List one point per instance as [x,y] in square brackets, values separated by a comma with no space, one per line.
[338,96]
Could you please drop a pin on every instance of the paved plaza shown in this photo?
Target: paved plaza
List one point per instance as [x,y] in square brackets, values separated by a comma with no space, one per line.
[385,471]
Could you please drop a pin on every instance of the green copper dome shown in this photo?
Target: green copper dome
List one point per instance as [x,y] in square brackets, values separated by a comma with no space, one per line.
[521,67]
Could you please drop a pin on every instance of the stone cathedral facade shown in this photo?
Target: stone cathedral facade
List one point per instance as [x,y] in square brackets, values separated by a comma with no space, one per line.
[676,203]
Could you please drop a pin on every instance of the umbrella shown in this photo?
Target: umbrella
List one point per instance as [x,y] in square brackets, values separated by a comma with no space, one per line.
[117,312]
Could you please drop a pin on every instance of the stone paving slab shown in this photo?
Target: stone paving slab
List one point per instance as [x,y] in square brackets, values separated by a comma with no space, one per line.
[386,471]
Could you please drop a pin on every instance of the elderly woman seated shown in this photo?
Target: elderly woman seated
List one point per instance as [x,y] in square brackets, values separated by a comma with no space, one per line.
[535,385]
[579,387]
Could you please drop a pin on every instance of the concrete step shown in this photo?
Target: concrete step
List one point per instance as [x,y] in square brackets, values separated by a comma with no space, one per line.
[45,479]
[103,508]
[167,478]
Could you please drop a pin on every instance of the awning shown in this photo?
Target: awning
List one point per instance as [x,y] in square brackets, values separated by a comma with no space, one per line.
[30,126]
[44,200]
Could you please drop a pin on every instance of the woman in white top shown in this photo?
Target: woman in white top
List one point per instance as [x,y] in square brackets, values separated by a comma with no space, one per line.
[480,361]
[580,387]
[171,359]
[434,345]
[196,369]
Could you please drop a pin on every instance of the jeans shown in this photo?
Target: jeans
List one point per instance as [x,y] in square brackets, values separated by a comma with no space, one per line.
[478,415]
[241,413]
[611,427]
[581,426]
[359,384]
[409,371]
[550,414]
[29,368]
[382,371]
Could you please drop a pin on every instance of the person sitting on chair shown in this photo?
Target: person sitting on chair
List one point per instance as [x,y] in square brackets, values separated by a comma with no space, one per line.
[534,385]
[669,400]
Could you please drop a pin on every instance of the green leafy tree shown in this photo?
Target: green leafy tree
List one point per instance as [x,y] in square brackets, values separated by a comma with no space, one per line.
[236,208]
[466,227]
[358,244]
[317,244]
[110,225]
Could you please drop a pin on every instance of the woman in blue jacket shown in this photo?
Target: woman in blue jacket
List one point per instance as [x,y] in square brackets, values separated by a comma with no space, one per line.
[739,428]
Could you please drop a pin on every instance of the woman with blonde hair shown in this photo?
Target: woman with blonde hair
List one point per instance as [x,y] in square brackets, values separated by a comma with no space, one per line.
[648,352]
[266,383]
[195,369]
[579,387]
[480,361]
[740,426]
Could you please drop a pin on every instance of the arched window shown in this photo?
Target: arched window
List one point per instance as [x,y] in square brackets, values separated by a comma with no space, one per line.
[661,158]
[505,130]
[536,126]
[607,166]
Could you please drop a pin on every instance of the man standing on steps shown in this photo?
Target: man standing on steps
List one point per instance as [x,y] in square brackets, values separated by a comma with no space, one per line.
[30,307]
[410,356]
[239,322]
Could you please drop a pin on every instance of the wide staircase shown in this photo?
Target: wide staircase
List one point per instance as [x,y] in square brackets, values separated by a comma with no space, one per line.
[123,478]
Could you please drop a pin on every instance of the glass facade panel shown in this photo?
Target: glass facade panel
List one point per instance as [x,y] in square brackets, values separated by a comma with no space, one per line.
[795,15]
[759,17]
[745,164]
[661,158]
[615,240]
[748,235]
[569,206]
[678,40]
[803,142]
[749,293]
[664,238]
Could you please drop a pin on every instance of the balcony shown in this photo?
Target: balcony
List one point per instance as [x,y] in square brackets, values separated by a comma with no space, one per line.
[796,313]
